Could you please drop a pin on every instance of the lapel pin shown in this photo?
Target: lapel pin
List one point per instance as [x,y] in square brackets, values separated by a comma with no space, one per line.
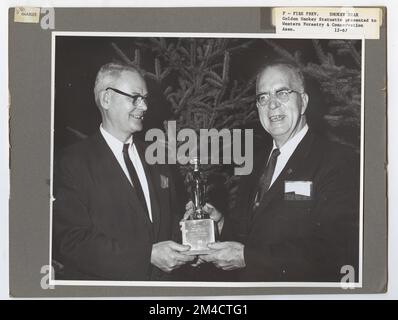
[164,182]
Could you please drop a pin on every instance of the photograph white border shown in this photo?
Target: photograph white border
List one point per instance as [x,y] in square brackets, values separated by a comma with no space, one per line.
[358,284]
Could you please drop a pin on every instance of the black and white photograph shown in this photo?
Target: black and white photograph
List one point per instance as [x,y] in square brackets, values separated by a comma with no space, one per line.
[206,160]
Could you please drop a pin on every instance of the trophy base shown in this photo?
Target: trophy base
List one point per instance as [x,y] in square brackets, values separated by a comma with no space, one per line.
[196,252]
[198,234]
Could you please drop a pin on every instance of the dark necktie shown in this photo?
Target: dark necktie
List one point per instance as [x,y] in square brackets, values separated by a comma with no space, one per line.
[134,176]
[266,178]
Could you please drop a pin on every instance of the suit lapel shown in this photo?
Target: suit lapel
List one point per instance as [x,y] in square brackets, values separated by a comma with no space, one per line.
[152,175]
[290,170]
[119,182]
[247,190]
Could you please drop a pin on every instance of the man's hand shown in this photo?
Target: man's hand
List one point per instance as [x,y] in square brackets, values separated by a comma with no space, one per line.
[226,255]
[209,209]
[167,255]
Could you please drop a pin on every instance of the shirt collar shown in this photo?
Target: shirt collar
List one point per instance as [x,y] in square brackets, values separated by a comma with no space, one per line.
[292,143]
[115,144]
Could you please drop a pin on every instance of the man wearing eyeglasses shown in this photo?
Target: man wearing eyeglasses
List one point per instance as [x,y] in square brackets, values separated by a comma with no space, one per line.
[297,214]
[113,216]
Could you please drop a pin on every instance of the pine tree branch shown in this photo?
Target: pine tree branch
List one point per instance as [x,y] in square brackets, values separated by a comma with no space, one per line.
[121,54]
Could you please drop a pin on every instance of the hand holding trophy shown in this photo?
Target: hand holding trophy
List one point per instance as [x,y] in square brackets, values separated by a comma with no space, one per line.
[199,229]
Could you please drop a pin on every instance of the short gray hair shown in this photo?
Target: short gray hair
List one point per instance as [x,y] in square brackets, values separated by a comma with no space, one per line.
[107,75]
[285,63]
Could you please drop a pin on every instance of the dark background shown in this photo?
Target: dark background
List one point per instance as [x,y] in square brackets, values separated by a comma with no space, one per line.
[78,59]
[332,76]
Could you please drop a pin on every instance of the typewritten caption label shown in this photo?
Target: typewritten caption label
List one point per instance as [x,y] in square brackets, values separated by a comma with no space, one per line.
[344,21]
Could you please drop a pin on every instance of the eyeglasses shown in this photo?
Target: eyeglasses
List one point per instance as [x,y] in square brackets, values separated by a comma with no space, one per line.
[282,95]
[137,98]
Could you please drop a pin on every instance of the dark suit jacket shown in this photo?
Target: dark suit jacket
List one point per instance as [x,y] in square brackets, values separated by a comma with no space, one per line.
[300,240]
[100,229]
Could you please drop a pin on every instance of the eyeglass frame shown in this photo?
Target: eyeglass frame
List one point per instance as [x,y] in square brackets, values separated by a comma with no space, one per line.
[136,102]
[288,91]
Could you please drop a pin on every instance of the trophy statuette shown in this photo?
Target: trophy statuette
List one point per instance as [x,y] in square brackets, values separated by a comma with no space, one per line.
[199,230]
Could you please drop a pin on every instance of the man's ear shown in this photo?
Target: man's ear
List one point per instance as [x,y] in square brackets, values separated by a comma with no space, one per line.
[304,99]
[104,98]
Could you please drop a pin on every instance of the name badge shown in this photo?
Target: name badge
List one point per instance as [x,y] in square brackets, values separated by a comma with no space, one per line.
[298,190]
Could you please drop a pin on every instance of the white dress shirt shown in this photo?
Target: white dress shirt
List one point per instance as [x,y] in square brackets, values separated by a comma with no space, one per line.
[286,151]
[117,148]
